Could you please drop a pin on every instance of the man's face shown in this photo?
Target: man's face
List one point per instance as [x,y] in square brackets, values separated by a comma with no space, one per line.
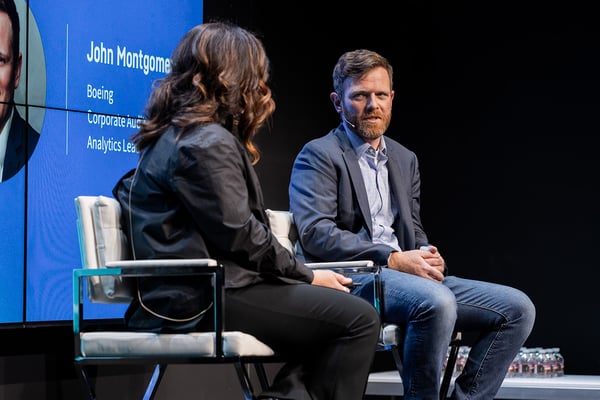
[9,74]
[367,103]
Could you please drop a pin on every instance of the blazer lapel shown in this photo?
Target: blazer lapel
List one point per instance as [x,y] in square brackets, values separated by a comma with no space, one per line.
[356,177]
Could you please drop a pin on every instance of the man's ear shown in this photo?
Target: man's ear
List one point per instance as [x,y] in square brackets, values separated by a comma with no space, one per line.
[337,102]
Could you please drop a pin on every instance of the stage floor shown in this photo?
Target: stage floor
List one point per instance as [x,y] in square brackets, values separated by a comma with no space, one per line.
[568,387]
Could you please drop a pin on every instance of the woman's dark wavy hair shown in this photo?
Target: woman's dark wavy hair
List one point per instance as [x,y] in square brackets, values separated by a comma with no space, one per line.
[219,75]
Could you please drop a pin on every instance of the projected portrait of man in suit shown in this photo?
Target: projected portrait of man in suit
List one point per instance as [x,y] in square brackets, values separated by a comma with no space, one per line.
[17,137]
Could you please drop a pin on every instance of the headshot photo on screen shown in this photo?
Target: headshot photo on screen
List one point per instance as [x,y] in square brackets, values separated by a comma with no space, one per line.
[19,134]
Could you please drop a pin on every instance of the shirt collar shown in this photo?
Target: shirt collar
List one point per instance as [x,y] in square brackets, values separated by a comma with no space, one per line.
[360,146]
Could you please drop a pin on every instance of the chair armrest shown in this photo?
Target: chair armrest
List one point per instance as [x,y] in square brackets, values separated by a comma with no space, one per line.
[347,267]
[146,268]
[195,262]
[163,267]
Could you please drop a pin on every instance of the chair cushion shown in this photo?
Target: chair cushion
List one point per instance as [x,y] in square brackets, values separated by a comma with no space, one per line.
[282,226]
[112,244]
[243,345]
[99,222]
[147,344]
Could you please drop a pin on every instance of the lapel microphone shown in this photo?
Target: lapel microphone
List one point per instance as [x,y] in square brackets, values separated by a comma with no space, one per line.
[349,123]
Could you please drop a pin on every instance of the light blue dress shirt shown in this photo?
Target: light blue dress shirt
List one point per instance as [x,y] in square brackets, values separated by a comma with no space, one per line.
[373,165]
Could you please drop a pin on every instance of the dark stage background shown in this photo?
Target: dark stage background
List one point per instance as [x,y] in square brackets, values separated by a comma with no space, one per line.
[500,102]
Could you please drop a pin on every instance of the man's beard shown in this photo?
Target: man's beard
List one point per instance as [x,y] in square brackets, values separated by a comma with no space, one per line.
[370,132]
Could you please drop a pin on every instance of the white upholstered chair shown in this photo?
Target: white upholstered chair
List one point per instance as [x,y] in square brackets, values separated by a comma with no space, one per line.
[106,278]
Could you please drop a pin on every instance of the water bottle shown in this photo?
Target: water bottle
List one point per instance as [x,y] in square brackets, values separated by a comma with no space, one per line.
[559,362]
[538,362]
[514,369]
[547,363]
[461,360]
[526,363]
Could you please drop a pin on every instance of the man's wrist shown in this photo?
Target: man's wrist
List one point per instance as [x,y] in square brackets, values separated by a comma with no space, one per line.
[390,256]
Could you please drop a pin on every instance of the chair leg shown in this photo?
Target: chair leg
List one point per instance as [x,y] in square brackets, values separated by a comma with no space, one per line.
[157,375]
[447,378]
[454,346]
[397,359]
[262,375]
[244,379]
[87,383]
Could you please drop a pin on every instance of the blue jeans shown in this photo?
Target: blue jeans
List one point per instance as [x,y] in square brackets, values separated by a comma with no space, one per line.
[430,312]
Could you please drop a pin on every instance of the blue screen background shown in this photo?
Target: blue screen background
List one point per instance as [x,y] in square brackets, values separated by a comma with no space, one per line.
[40,248]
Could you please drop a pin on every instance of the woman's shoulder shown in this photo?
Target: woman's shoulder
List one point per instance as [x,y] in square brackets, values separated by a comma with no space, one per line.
[207,136]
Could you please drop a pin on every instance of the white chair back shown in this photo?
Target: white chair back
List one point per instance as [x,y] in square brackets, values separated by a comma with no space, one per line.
[102,240]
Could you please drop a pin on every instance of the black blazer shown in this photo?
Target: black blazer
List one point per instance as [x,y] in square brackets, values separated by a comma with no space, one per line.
[22,139]
[198,196]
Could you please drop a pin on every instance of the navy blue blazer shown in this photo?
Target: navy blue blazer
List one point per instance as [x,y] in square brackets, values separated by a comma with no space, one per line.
[329,201]
[22,139]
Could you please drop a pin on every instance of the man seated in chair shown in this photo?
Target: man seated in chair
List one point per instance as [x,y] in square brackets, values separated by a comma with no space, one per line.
[355,195]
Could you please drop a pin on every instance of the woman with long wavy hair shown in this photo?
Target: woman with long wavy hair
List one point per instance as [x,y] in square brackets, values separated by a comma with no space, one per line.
[195,194]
